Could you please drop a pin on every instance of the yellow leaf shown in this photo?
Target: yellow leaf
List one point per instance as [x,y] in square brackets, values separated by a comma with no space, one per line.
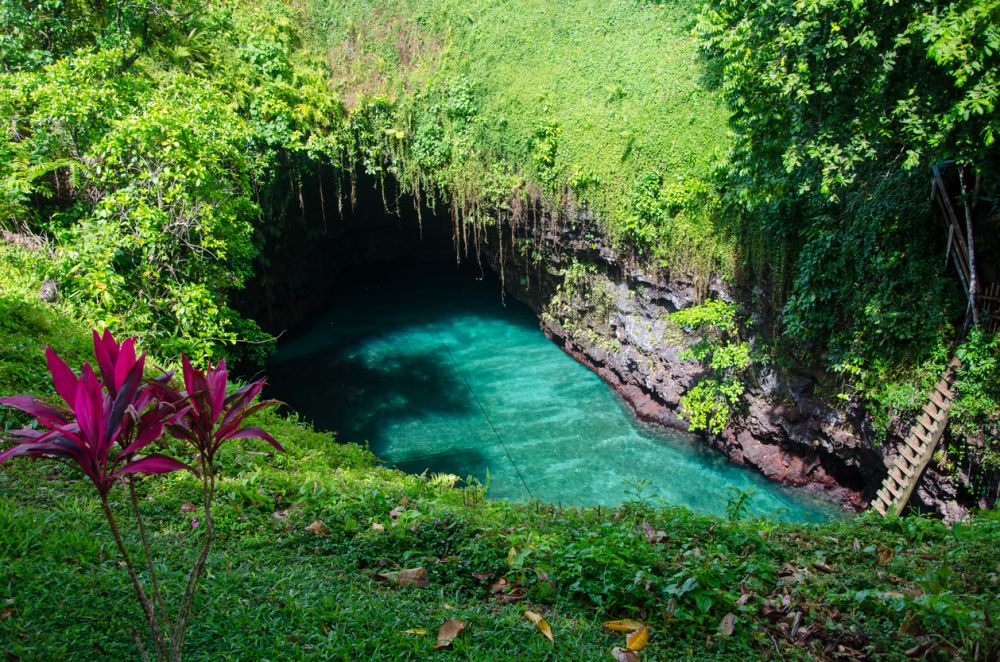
[541,624]
[637,640]
[624,625]
[511,555]
[419,631]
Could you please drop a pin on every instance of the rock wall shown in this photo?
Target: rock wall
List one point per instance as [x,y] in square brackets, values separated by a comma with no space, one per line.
[612,315]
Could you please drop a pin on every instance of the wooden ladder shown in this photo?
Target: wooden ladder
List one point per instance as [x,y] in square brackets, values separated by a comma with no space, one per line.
[918,447]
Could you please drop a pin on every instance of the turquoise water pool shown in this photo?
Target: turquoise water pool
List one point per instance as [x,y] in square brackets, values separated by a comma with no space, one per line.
[431,370]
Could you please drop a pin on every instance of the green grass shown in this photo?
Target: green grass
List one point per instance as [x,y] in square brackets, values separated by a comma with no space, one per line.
[276,591]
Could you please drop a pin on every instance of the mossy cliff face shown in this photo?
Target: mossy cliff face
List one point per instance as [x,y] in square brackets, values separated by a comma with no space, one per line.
[611,312]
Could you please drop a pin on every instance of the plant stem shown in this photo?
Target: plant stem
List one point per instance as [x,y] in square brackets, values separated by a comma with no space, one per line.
[157,598]
[154,625]
[208,492]
[970,240]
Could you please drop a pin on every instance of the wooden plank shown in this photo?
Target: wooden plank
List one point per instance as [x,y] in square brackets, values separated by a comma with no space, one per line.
[934,411]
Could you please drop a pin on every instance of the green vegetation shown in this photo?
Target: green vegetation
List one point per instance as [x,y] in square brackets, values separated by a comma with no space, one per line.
[839,110]
[151,149]
[144,142]
[606,103]
[708,404]
[275,588]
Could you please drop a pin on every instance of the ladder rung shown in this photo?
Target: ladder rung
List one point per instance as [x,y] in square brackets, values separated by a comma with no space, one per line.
[943,389]
[914,441]
[921,437]
[879,508]
[897,475]
[909,456]
[926,421]
[892,490]
[936,413]
[938,399]
[905,468]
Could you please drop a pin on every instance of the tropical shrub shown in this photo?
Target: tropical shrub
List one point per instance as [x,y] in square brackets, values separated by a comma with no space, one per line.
[113,415]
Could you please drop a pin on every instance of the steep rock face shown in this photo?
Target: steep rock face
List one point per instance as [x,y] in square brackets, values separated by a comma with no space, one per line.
[612,315]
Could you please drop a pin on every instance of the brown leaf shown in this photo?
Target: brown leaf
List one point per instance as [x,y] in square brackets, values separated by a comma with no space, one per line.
[188,507]
[653,537]
[482,576]
[396,512]
[541,624]
[624,625]
[317,528]
[637,640]
[499,585]
[885,554]
[857,545]
[624,655]
[411,577]
[7,613]
[920,650]
[513,596]
[377,527]
[449,630]
[822,567]
[727,624]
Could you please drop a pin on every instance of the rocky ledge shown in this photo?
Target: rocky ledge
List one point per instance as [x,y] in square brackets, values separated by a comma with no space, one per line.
[614,318]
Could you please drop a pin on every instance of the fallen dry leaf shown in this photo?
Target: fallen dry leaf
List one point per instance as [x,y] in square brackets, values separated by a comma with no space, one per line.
[317,528]
[513,596]
[637,640]
[727,624]
[541,624]
[410,577]
[653,537]
[416,631]
[624,625]
[885,554]
[188,507]
[449,630]
[822,567]
[482,576]
[511,555]
[7,613]
[377,527]
[624,655]
[396,512]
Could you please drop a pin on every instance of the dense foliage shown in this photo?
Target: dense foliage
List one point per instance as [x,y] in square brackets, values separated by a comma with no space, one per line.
[839,109]
[145,138]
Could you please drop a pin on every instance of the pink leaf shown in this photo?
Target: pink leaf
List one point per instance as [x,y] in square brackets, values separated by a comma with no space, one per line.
[154,464]
[255,432]
[62,377]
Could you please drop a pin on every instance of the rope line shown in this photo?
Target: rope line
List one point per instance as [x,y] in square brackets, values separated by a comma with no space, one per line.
[485,415]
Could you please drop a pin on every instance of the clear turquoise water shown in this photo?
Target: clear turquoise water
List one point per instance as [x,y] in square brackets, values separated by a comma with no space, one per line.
[436,374]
